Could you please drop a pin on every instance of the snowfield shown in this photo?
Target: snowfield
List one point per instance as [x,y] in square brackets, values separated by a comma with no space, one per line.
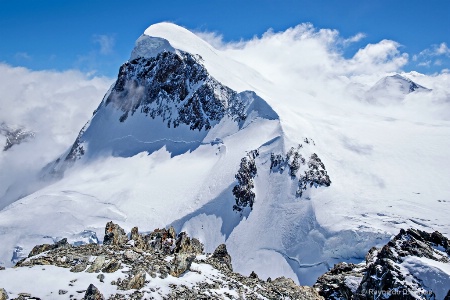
[389,164]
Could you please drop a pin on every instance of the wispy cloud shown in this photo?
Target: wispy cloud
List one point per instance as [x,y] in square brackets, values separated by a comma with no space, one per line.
[106,43]
[436,50]
[354,39]
[22,56]
[442,49]
[432,55]
[213,38]
[306,55]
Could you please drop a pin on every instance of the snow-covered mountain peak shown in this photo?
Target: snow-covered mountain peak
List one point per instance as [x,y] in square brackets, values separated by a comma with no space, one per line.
[392,89]
[405,85]
[219,64]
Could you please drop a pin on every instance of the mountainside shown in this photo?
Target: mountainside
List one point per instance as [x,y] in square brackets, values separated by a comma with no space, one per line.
[167,100]
[190,137]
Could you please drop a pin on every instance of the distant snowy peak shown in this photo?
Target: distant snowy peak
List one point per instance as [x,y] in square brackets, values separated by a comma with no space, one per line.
[405,85]
[393,89]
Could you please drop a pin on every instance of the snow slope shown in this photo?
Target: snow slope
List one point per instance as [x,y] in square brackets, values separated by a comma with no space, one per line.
[389,170]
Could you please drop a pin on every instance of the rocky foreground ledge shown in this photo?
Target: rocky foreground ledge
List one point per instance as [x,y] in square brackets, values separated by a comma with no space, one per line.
[157,265]
[165,265]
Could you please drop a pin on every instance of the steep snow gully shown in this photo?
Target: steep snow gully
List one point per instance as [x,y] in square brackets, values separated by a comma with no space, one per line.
[189,137]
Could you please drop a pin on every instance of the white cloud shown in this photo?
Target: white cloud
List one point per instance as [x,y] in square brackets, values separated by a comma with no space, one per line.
[442,49]
[313,58]
[432,53]
[22,56]
[308,62]
[55,105]
[213,38]
[354,39]
[381,57]
[105,42]
[424,63]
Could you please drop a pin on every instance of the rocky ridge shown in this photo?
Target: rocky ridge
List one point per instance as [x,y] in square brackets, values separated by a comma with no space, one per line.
[146,266]
[387,273]
[165,265]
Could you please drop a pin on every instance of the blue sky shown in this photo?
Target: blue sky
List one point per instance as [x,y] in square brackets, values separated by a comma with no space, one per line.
[93,35]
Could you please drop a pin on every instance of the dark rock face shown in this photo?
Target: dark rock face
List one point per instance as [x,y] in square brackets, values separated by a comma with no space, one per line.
[243,191]
[292,160]
[383,275]
[184,244]
[316,175]
[92,293]
[46,247]
[220,259]
[448,295]
[341,281]
[175,87]
[114,235]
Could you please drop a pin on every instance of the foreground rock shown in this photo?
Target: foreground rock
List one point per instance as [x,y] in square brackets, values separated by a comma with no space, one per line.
[3,294]
[92,293]
[157,265]
[166,265]
[411,266]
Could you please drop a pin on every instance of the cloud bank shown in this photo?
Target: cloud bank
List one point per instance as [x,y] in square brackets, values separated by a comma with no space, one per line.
[54,105]
[310,60]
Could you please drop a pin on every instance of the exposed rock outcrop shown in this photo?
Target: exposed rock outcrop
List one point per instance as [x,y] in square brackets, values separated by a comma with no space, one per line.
[138,261]
[221,259]
[46,247]
[243,192]
[114,235]
[387,272]
[3,294]
[92,293]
